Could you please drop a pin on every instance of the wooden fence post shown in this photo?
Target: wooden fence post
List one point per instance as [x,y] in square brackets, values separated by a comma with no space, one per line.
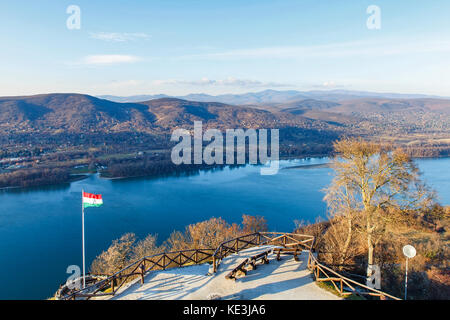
[142,266]
[118,279]
[113,282]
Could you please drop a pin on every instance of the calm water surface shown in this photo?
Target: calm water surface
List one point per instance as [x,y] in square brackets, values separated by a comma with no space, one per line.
[40,229]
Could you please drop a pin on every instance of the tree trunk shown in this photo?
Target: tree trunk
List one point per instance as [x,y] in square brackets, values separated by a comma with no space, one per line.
[347,241]
[370,245]
[369,253]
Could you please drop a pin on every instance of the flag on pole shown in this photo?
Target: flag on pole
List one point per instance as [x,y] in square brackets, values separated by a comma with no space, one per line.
[92,200]
[87,200]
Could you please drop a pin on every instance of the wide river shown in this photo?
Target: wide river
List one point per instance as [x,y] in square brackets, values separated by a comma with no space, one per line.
[40,228]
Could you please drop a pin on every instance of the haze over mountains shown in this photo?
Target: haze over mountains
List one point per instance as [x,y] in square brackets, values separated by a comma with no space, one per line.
[274,96]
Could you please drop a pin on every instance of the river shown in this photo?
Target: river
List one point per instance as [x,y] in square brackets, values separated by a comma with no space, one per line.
[40,228]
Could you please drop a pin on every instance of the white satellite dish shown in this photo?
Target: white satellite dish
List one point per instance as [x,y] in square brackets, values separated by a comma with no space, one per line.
[409,251]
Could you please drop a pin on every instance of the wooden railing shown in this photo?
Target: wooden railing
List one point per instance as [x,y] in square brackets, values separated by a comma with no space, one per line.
[345,286]
[162,261]
[322,273]
[258,239]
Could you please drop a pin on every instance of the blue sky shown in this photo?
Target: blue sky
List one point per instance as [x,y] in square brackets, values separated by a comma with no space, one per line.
[179,47]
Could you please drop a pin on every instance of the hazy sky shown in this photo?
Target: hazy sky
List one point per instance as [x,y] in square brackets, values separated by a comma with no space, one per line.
[217,46]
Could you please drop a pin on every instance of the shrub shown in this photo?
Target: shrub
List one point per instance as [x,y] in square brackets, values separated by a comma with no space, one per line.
[252,224]
[116,257]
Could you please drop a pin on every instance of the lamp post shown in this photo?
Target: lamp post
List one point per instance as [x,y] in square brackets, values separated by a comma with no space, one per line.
[409,252]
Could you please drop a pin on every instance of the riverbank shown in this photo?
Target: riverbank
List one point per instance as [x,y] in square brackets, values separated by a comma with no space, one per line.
[165,168]
[147,169]
[73,178]
[310,166]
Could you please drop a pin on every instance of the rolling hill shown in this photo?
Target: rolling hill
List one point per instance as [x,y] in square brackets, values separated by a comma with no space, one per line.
[276,96]
[70,113]
[61,132]
[77,113]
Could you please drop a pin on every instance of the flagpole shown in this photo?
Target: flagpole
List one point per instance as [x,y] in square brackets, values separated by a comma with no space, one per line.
[82,232]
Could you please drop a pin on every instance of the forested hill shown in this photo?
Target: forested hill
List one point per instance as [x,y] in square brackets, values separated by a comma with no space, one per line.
[68,131]
[76,113]
[66,118]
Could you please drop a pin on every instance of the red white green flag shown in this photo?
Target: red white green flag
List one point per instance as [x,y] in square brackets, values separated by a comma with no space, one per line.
[92,200]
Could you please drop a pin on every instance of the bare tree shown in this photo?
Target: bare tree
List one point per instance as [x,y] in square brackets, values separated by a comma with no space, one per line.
[116,257]
[369,180]
[208,234]
[178,241]
[147,247]
[211,233]
[341,200]
[252,224]
[337,246]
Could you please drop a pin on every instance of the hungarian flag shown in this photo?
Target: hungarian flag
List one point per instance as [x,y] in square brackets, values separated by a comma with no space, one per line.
[92,200]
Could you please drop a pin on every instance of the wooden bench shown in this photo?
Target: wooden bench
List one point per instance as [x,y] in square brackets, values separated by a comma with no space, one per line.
[239,268]
[294,251]
[263,256]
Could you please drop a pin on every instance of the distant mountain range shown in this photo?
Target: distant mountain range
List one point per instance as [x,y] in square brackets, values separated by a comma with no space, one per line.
[78,113]
[83,127]
[274,96]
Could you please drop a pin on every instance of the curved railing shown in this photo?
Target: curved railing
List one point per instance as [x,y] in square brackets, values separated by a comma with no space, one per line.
[163,261]
[259,239]
[323,273]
